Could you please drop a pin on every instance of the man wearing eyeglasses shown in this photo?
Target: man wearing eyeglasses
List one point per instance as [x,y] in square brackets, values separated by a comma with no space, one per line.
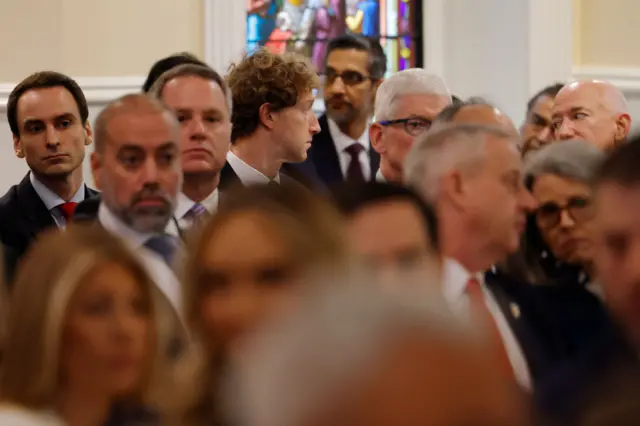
[406,104]
[354,68]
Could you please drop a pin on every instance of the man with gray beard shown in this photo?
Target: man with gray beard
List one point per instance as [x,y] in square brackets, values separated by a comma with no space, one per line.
[136,165]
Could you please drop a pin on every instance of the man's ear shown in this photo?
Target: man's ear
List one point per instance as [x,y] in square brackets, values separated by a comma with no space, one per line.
[17,146]
[266,116]
[88,140]
[452,186]
[623,127]
[375,136]
[96,169]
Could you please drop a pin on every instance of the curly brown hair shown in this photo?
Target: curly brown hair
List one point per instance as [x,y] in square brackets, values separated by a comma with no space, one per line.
[267,78]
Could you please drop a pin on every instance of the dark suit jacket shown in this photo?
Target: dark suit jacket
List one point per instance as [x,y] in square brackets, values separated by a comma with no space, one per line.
[575,383]
[542,343]
[24,216]
[325,159]
[229,179]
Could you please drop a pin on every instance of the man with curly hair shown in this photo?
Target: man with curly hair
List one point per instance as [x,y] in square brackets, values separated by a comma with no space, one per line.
[273,121]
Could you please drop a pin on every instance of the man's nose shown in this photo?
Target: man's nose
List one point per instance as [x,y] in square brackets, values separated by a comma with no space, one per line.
[565,131]
[52,135]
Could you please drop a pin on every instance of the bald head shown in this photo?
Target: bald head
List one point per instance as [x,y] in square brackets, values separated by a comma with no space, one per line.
[136,104]
[476,112]
[136,164]
[593,110]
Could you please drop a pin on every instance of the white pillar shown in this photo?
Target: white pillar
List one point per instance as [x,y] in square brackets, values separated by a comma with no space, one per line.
[225,23]
[502,50]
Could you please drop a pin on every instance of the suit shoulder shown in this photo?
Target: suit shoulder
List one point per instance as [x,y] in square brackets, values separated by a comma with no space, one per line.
[8,200]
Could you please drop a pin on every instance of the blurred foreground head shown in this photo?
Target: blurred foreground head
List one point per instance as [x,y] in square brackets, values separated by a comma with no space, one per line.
[83,321]
[358,356]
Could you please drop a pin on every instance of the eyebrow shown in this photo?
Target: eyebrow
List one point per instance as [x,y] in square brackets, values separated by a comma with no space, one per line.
[65,115]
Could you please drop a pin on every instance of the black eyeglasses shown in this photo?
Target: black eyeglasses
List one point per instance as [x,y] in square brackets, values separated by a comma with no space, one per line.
[578,208]
[415,126]
[349,77]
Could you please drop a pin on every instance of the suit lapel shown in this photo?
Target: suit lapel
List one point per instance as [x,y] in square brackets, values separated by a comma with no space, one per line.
[228,178]
[33,208]
[324,155]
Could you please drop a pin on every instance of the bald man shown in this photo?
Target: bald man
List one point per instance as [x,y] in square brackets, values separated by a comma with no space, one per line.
[595,111]
[136,165]
[475,111]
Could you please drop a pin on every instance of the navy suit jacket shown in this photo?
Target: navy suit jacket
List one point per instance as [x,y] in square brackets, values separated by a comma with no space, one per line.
[24,216]
[568,389]
[541,341]
[324,156]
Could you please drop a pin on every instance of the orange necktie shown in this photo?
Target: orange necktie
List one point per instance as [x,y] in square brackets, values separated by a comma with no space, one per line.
[479,308]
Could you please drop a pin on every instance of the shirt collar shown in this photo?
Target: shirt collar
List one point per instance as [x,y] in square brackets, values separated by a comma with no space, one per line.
[380,177]
[247,174]
[343,141]
[50,199]
[113,224]
[185,203]
[455,279]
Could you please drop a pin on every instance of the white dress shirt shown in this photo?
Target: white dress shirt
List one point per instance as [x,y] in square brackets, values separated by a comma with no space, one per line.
[342,142]
[380,177]
[52,200]
[13,415]
[455,283]
[247,174]
[156,267]
[185,204]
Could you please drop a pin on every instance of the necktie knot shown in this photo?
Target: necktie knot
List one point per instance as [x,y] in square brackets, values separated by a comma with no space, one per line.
[163,245]
[354,150]
[196,211]
[67,210]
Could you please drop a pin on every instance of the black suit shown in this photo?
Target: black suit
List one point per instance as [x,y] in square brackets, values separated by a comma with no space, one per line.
[324,156]
[24,216]
[541,341]
[229,179]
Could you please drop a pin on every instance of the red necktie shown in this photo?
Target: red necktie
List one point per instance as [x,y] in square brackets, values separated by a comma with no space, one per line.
[479,308]
[67,210]
[354,170]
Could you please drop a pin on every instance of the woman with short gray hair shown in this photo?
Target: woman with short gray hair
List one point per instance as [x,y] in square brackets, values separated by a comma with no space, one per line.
[556,250]
[559,177]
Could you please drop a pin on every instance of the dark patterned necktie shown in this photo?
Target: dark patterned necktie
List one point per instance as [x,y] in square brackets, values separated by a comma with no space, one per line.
[354,170]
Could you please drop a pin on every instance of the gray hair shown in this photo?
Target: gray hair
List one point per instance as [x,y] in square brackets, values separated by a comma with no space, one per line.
[575,159]
[299,367]
[407,82]
[446,147]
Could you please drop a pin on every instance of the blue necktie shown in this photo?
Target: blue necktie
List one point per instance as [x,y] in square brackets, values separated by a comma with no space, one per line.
[164,245]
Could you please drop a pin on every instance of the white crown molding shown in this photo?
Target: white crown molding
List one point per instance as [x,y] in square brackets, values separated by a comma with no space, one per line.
[626,79]
[98,90]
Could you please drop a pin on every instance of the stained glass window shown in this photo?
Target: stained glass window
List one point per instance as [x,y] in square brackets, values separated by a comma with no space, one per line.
[305,26]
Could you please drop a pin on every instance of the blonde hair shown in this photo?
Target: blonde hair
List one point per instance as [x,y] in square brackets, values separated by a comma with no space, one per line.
[309,225]
[47,278]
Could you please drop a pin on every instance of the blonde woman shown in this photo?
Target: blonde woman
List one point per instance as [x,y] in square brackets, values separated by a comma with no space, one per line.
[81,342]
[245,267]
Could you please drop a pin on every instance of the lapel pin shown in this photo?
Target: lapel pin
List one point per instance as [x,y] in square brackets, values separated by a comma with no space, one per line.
[515,310]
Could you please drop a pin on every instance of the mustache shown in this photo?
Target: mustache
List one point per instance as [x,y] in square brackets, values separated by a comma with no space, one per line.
[151,192]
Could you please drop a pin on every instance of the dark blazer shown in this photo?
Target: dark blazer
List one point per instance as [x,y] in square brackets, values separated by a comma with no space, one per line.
[569,388]
[229,179]
[541,341]
[24,216]
[325,159]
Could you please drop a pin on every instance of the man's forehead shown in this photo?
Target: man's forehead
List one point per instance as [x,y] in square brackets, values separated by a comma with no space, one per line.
[132,128]
[420,102]
[575,97]
[47,103]
[348,59]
